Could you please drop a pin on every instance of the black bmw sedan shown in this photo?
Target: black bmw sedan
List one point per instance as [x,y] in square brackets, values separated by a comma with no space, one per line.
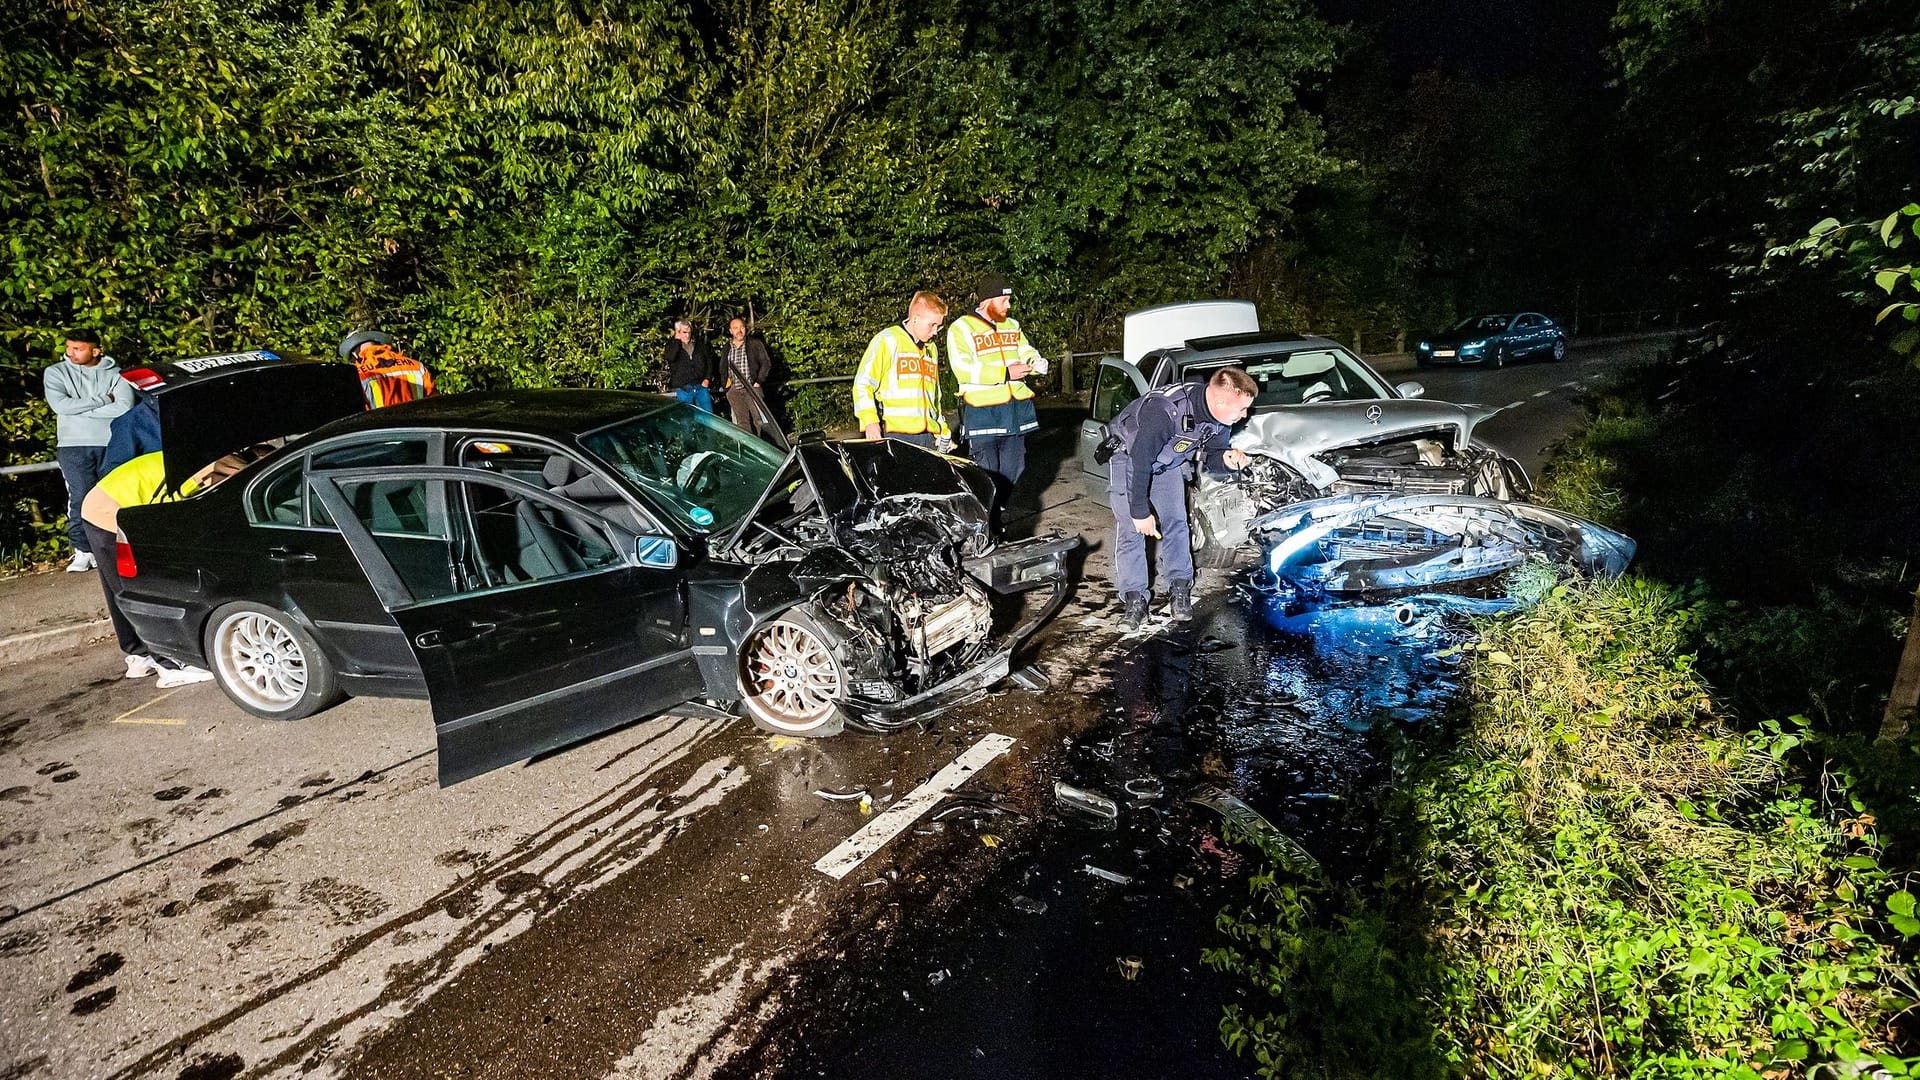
[1493,340]
[546,564]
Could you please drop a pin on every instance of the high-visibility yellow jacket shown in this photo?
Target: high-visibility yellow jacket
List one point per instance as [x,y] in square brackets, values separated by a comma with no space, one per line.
[898,385]
[980,352]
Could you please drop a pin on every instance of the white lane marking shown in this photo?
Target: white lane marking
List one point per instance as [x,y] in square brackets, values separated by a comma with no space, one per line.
[875,834]
[1542,393]
[1574,385]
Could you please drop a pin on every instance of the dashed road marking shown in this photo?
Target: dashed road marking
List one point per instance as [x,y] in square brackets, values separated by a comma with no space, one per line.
[128,717]
[893,821]
[1543,393]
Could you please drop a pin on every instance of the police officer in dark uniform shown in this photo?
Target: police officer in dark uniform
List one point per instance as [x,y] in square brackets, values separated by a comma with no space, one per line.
[1150,445]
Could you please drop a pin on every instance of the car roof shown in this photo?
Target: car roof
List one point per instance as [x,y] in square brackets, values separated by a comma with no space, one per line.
[560,412]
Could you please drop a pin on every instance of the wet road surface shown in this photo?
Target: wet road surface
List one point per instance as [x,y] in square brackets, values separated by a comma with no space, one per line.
[187,891]
[1030,977]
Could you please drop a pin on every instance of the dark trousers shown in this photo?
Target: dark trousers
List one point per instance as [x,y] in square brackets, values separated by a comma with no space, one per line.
[80,467]
[746,414]
[1173,551]
[923,439]
[110,583]
[1005,456]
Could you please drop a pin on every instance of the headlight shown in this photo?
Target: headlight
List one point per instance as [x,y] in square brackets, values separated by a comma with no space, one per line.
[1423,346]
[1473,345]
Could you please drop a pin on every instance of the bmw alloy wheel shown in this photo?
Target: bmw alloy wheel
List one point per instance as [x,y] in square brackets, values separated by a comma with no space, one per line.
[791,678]
[260,661]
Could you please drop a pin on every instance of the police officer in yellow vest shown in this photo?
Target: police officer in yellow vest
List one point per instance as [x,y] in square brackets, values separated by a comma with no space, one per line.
[990,357]
[896,391]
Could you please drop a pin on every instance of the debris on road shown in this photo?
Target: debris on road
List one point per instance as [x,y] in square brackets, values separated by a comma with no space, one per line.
[1027,905]
[1245,819]
[1104,874]
[841,794]
[1129,967]
[899,817]
[1087,803]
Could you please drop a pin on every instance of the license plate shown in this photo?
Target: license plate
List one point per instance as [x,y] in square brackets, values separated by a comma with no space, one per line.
[1443,352]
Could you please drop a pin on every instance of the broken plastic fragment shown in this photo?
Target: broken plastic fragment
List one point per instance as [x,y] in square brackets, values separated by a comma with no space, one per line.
[1129,966]
[989,839]
[1246,820]
[841,794]
[1086,802]
[1029,906]
[1104,874]
[1144,787]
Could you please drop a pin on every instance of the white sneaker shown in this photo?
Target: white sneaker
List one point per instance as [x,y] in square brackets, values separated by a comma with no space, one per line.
[182,675]
[139,667]
[82,563]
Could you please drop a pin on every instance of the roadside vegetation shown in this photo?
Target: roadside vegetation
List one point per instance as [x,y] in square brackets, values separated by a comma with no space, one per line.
[1673,830]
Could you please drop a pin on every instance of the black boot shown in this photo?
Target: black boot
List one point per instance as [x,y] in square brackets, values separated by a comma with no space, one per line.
[1180,600]
[1133,610]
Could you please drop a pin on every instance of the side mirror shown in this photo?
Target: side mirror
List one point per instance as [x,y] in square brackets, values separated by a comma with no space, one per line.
[1411,390]
[659,552]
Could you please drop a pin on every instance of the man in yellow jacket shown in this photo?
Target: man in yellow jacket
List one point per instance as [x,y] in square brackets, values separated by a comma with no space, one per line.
[990,358]
[896,391]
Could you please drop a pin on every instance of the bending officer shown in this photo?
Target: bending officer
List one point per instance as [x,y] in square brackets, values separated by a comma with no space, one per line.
[1150,445]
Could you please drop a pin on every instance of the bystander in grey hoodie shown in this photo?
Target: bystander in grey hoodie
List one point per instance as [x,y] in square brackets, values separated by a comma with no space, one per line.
[85,400]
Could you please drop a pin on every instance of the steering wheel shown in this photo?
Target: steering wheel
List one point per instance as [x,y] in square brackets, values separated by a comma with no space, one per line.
[1317,393]
[699,474]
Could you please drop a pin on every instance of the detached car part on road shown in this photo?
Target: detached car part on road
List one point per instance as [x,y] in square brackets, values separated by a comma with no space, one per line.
[546,565]
[1418,501]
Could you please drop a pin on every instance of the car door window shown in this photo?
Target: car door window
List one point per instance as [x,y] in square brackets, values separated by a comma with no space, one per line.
[396,507]
[517,538]
[280,498]
[1113,389]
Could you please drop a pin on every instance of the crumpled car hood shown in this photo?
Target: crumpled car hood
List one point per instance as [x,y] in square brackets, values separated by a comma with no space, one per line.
[866,485]
[1294,433]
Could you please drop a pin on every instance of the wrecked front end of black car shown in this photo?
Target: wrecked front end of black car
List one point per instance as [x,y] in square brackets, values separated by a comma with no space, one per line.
[878,595]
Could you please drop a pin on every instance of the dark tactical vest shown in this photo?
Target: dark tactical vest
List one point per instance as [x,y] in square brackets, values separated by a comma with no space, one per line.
[1194,428]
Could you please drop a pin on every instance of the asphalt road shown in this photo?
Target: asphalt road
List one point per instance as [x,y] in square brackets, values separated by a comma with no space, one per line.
[187,891]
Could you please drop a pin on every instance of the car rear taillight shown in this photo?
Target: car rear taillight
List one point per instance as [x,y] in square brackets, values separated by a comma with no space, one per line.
[144,378]
[123,562]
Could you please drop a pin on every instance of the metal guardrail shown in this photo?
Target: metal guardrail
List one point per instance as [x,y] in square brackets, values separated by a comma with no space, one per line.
[30,467]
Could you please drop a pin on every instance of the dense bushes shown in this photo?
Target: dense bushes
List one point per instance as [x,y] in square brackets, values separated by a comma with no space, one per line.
[1593,874]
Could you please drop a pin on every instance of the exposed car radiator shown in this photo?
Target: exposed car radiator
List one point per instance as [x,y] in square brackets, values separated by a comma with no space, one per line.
[1372,540]
[935,628]
[1400,480]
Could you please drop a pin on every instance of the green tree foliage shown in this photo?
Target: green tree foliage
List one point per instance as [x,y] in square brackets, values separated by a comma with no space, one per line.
[528,192]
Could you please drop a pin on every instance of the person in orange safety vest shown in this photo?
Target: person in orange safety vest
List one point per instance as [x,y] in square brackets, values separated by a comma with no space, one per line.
[387,375]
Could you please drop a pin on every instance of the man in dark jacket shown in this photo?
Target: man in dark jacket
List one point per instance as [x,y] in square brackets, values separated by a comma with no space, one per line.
[1152,442]
[746,368]
[691,370]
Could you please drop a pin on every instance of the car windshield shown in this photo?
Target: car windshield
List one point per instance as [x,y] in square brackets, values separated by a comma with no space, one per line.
[1482,324]
[1305,377]
[701,468]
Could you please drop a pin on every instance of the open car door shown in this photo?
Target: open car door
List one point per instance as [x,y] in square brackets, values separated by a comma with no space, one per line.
[1115,383]
[536,623]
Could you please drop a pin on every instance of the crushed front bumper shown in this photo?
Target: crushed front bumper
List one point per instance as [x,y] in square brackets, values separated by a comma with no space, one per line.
[1022,566]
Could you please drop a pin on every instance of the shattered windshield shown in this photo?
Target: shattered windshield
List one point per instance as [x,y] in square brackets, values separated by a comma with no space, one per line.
[701,468]
[1304,377]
